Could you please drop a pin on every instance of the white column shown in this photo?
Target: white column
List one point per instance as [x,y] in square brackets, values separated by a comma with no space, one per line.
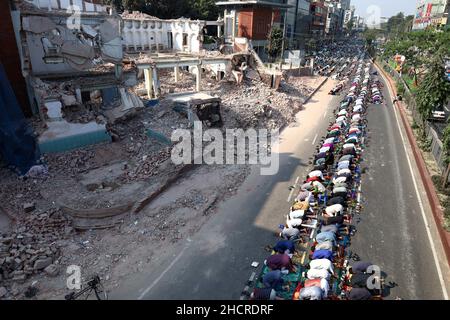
[177,73]
[148,76]
[198,86]
[155,82]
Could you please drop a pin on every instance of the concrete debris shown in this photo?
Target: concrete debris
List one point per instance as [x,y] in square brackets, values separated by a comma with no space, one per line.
[109,30]
[31,246]
[37,24]
[28,207]
[109,176]
[42,263]
[3,292]
[37,171]
[137,15]
[52,270]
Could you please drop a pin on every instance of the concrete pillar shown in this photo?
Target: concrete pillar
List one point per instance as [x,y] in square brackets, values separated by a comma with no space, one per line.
[198,86]
[234,24]
[177,73]
[155,82]
[148,76]
[78,95]
[118,71]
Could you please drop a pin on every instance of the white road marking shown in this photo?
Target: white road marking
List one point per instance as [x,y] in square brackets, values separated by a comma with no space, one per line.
[315,137]
[360,180]
[154,283]
[422,210]
[293,189]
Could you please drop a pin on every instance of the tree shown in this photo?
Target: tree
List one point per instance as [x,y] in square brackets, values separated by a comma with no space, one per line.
[370,35]
[350,25]
[275,44]
[204,9]
[311,44]
[434,90]
[170,9]
[419,48]
[394,23]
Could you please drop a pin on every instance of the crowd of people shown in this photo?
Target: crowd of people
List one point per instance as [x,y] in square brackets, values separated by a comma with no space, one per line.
[311,259]
[334,59]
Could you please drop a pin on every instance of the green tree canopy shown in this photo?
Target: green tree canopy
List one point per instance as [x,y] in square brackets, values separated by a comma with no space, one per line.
[275,44]
[170,9]
[434,90]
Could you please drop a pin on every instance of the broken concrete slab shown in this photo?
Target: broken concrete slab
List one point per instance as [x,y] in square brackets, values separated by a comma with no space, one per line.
[52,270]
[77,50]
[40,264]
[37,24]
[62,136]
[28,207]
[69,100]
[131,103]
[3,292]
[111,50]
[109,30]
[91,32]
[53,110]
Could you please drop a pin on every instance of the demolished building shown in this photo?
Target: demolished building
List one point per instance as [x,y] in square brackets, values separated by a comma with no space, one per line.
[144,33]
[71,55]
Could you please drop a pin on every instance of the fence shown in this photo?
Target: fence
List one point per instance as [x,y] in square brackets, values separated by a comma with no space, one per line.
[432,135]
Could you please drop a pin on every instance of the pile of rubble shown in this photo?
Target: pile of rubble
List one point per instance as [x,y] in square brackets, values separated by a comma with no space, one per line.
[253,104]
[35,245]
[32,247]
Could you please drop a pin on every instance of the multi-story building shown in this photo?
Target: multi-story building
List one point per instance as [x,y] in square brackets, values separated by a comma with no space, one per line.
[359,23]
[335,17]
[348,16]
[345,4]
[431,13]
[253,19]
[298,22]
[319,12]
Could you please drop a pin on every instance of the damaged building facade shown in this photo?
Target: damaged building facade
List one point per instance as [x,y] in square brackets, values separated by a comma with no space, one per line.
[142,32]
[71,54]
[82,63]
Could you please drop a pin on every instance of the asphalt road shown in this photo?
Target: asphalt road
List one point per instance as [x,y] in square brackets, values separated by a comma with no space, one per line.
[392,233]
[216,262]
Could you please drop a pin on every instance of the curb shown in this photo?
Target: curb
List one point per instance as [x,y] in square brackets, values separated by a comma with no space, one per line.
[424,174]
[284,126]
[315,91]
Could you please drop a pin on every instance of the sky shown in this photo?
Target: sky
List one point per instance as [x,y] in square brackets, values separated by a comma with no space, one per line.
[387,8]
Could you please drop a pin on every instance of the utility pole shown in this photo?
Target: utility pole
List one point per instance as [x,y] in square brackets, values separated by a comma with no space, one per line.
[283,44]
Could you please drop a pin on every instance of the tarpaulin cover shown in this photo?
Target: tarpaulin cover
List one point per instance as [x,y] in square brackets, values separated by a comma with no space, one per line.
[18,146]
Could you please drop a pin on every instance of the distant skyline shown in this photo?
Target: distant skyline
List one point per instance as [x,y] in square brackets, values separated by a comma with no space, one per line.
[387,8]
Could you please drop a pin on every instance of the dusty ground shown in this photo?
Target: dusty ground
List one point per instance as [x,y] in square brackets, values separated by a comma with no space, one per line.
[104,176]
[130,248]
